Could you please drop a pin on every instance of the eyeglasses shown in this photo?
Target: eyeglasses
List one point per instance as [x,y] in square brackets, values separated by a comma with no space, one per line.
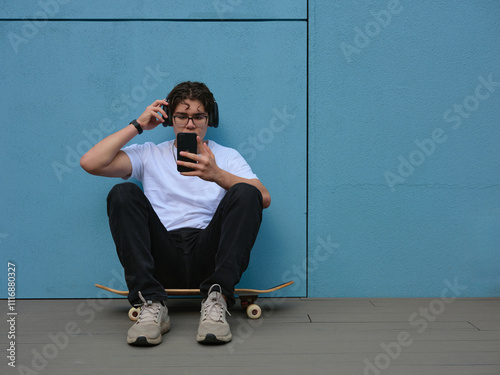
[183,120]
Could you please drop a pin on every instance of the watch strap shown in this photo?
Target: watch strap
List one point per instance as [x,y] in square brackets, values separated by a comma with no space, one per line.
[137,126]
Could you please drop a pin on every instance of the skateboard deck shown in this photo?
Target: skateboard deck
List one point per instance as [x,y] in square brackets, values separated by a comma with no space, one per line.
[246,296]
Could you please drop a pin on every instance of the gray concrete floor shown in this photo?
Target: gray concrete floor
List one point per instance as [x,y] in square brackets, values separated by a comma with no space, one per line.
[294,336]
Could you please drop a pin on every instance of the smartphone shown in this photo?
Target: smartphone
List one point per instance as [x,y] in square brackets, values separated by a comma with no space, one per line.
[186,142]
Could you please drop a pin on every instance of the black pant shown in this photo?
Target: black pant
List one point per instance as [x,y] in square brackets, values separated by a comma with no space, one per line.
[154,258]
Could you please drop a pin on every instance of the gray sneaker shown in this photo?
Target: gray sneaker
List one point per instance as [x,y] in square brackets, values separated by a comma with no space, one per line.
[153,321]
[213,328]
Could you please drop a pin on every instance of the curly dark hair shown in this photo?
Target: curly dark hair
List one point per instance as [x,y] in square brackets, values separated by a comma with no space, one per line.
[191,90]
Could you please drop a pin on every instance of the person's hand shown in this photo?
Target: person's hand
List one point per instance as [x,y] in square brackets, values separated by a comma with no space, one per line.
[153,116]
[204,166]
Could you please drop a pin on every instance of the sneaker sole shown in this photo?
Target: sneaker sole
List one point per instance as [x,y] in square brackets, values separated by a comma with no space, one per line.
[144,341]
[211,339]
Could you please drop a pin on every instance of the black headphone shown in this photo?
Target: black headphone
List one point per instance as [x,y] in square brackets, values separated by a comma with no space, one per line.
[213,116]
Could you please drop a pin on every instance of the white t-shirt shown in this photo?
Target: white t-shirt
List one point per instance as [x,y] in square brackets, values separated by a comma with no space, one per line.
[182,201]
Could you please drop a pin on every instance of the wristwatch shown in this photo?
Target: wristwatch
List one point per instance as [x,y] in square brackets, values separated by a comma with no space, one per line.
[137,126]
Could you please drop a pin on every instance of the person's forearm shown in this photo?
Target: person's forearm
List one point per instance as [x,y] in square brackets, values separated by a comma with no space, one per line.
[103,153]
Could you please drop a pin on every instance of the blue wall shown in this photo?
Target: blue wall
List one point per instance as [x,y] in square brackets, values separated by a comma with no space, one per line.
[378,147]
[384,78]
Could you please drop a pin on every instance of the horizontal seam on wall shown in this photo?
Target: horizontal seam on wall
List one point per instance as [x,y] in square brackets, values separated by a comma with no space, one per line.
[157,19]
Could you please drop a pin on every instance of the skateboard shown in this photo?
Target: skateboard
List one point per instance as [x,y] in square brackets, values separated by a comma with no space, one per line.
[246,296]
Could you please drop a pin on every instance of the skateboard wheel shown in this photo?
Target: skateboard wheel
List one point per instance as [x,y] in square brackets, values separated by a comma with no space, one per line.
[254,311]
[133,313]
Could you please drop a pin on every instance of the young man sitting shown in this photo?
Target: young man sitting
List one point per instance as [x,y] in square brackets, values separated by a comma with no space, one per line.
[187,229]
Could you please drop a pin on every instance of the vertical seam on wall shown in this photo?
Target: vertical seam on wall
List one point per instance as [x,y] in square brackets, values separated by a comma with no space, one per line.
[307,148]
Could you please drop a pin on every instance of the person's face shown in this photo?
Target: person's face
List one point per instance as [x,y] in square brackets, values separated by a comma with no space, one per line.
[195,110]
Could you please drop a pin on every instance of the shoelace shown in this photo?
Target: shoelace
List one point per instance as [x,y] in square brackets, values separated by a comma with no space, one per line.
[214,310]
[149,311]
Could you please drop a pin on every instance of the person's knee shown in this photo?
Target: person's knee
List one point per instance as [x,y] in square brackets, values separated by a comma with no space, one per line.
[121,193]
[247,192]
